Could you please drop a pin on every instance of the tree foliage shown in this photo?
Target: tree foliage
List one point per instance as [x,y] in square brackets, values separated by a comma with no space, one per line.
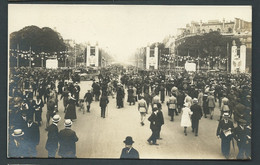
[211,44]
[39,39]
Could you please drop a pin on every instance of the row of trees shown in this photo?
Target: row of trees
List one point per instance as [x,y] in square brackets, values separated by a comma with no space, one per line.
[211,44]
[38,39]
[208,48]
[37,44]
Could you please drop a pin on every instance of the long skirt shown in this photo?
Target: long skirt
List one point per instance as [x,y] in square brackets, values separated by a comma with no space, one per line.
[71,112]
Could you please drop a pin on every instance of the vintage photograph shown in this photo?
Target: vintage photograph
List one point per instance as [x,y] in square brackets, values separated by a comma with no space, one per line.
[129,81]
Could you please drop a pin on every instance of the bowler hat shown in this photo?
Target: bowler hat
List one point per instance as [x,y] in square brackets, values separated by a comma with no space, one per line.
[128,140]
[18,132]
[67,123]
[56,118]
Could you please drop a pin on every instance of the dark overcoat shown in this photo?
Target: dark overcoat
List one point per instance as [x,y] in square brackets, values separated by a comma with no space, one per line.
[67,140]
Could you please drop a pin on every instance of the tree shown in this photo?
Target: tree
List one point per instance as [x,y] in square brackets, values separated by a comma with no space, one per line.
[211,44]
[38,39]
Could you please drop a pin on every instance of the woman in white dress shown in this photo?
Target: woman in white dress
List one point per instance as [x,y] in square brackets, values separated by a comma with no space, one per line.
[185,118]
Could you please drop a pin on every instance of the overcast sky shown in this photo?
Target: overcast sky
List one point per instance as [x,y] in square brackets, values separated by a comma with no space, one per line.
[118,29]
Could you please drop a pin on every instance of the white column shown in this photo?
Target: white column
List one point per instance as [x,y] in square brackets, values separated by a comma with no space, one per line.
[156,57]
[96,55]
[233,57]
[88,55]
[147,57]
[243,58]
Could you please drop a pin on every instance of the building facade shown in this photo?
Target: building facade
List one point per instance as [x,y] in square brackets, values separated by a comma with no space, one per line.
[236,28]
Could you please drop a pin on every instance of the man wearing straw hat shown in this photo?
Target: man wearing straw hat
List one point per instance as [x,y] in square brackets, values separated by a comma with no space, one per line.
[17,147]
[129,152]
[224,129]
[67,140]
[53,137]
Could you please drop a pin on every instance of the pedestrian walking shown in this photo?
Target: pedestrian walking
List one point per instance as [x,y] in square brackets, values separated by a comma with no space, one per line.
[71,108]
[129,152]
[142,108]
[196,116]
[154,126]
[50,111]
[185,118]
[243,138]
[120,94]
[172,105]
[53,137]
[224,107]
[67,141]
[103,104]
[32,137]
[205,104]
[17,146]
[88,99]
[211,104]
[37,106]
[224,129]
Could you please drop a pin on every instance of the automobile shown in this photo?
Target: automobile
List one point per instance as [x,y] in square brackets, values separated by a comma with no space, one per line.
[88,74]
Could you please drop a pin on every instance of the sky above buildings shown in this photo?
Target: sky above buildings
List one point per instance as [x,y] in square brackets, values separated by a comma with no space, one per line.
[119,29]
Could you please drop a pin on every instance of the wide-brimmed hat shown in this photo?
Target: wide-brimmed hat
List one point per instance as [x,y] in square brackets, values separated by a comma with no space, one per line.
[186,104]
[56,118]
[67,123]
[128,140]
[18,132]
[195,100]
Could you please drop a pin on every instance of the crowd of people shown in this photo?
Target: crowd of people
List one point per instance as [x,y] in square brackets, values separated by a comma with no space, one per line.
[191,95]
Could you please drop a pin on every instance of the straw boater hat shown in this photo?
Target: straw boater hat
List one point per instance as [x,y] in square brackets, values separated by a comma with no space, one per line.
[67,123]
[56,118]
[226,114]
[195,100]
[18,132]
[128,140]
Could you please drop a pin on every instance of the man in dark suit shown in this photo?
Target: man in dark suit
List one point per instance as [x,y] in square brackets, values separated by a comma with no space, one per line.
[129,152]
[154,126]
[103,104]
[196,116]
[50,111]
[224,129]
[32,137]
[88,98]
[53,137]
[67,140]
[160,120]
[242,136]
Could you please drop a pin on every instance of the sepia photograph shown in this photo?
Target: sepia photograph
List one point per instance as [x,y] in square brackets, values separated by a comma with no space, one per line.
[129,81]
